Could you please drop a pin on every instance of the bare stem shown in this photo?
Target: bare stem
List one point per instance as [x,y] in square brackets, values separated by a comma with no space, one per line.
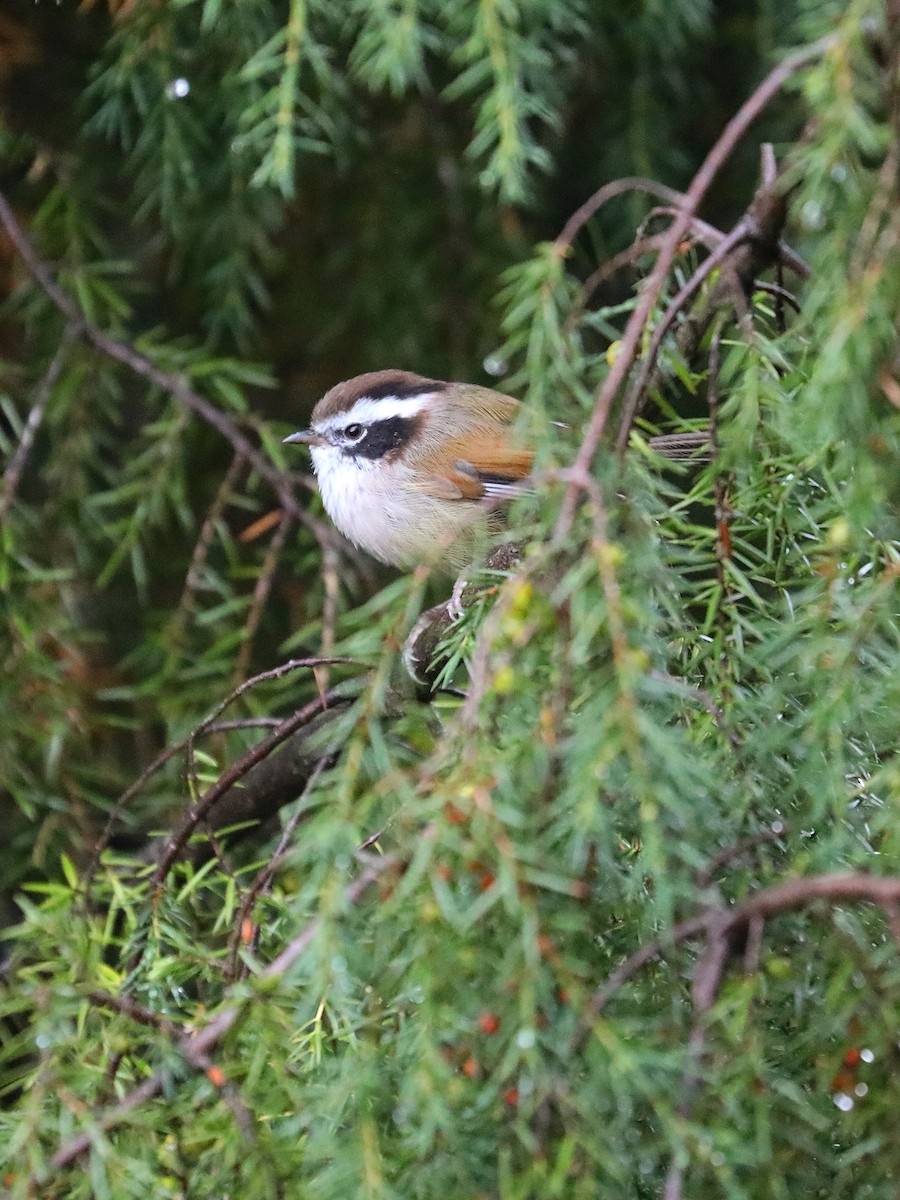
[733,132]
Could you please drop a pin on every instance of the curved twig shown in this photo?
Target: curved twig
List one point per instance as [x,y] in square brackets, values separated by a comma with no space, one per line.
[741,232]
[883,891]
[195,1046]
[618,187]
[732,134]
[170,382]
[16,464]
[175,843]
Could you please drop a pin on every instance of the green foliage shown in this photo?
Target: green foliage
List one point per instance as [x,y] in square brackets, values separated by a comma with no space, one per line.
[680,700]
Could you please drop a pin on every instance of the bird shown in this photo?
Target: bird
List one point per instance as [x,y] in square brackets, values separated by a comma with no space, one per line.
[410,469]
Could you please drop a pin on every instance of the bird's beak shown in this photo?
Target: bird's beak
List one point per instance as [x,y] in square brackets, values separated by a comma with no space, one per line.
[307,437]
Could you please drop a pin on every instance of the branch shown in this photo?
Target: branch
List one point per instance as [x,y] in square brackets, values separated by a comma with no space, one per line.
[631,339]
[170,382]
[240,796]
[16,464]
[751,247]
[725,248]
[203,545]
[420,648]
[261,590]
[196,1046]
[883,891]
[266,874]
[211,724]
[632,183]
[707,980]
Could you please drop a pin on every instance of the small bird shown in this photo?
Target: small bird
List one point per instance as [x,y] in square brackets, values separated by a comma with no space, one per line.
[410,468]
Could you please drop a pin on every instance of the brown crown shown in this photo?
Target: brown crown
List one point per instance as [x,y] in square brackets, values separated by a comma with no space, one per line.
[376,385]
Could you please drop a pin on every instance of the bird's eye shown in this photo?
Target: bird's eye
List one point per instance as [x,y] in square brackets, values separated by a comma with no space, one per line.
[354,432]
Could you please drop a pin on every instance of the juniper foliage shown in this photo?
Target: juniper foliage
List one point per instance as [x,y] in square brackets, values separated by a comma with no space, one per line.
[614,914]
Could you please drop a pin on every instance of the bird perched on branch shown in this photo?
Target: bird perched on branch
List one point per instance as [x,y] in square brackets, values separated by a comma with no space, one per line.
[411,468]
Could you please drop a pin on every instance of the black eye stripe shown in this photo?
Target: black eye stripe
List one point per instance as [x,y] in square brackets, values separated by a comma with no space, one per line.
[380,437]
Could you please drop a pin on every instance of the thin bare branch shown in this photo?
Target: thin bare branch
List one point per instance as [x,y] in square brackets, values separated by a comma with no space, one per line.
[707,981]
[739,234]
[16,464]
[169,382]
[266,874]
[209,724]
[196,1046]
[732,134]
[777,290]
[261,591]
[612,266]
[331,583]
[883,891]
[205,541]
[609,191]
[202,806]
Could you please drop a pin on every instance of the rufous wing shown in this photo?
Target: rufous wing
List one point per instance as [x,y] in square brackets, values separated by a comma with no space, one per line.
[499,471]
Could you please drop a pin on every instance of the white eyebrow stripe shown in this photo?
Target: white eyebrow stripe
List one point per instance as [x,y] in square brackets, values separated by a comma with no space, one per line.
[365,410]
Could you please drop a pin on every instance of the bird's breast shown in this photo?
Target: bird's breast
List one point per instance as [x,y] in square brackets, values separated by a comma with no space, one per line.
[377,505]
